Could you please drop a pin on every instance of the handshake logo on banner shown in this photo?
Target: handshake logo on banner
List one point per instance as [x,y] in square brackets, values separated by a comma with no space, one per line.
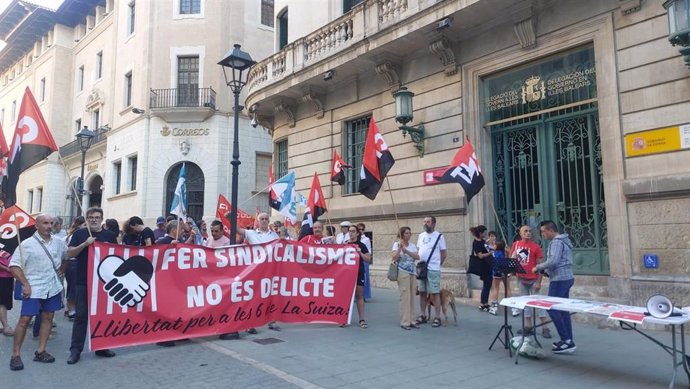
[126,281]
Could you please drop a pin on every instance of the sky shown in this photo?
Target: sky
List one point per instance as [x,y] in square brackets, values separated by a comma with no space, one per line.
[54,4]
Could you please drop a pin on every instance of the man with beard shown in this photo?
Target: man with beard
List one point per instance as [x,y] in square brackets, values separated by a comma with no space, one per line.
[432,249]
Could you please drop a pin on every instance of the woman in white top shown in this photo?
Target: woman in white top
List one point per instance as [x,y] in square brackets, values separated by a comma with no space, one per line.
[404,253]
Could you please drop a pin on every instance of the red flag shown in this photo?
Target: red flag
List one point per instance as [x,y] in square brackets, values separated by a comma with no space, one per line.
[10,219]
[376,162]
[464,170]
[316,206]
[244,220]
[273,200]
[337,173]
[32,142]
[3,143]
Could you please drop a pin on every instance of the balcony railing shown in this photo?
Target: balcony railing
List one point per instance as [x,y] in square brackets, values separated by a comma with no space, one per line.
[182,98]
[73,146]
[364,20]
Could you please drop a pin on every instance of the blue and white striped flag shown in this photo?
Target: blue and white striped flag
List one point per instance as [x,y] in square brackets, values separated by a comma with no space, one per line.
[179,202]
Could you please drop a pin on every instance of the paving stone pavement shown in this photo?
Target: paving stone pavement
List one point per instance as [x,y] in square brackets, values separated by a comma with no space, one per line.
[382,356]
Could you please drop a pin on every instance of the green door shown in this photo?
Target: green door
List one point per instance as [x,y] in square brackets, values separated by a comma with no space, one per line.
[548,167]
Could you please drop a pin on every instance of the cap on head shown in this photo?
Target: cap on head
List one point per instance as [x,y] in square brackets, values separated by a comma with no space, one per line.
[345,224]
[160,220]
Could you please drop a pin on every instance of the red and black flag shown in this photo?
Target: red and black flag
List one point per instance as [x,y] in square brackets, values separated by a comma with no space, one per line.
[3,153]
[316,206]
[32,142]
[376,162]
[12,220]
[273,200]
[337,172]
[464,170]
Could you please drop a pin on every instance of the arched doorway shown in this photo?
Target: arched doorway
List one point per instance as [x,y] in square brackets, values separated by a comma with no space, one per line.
[195,189]
[95,191]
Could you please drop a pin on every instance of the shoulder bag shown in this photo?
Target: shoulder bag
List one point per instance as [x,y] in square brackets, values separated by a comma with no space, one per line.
[422,268]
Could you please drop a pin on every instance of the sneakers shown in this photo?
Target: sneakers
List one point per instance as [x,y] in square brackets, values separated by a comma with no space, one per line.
[252,331]
[494,309]
[528,332]
[515,312]
[563,347]
[484,307]
[43,357]
[16,363]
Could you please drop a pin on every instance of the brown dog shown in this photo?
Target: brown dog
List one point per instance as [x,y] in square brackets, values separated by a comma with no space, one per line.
[447,299]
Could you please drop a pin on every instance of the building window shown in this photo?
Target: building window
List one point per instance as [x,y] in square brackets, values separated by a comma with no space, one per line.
[133,173]
[14,111]
[355,137]
[99,65]
[190,7]
[128,89]
[30,201]
[282,159]
[39,199]
[348,4]
[96,119]
[42,90]
[263,163]
[78,125]
[80,78]
[131,17]
[283,29]
[117,176]
[267,12]
[187,81]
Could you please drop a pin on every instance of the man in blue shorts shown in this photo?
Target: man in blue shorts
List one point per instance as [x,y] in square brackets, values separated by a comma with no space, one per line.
[432,249]
[36,265]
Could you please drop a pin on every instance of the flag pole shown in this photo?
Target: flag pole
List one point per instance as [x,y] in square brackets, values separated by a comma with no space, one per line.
[256,194]
[395,212]
[76,195]
[498,221]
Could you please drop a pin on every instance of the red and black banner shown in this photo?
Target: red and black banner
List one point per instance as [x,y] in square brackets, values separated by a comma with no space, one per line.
[337,172]
[14,220]
[316,206]
[244,220]
[140,295]
[376,162]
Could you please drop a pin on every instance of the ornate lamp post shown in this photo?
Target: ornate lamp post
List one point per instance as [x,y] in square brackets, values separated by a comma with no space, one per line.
[84,138]
[235,62]
[403,115]
[679,26]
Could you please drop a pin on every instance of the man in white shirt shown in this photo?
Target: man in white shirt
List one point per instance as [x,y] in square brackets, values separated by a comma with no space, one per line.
[426,242]
[343,235]
[36,265]
[217,238]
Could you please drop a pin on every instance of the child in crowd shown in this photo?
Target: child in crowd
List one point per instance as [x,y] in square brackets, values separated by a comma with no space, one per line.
[499,254]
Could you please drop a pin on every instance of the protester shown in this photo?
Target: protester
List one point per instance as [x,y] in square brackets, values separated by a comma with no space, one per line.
[559,268]
[317,237]
[283,233]
[138,234]
[57,230]
[78,248]
[172,234]
[71,268]
[263,234]
[364,256]
[480,250]
[529,254]
[203,230]
[218,238]
[112,226]
[404,253]
[431,246]
[361,227]
[343,235]
[6,289]
[38,270]
[159,232]
[497,250]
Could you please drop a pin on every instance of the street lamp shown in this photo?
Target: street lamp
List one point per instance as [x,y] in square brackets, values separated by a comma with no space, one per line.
[84,138]
[403,115]
[235,62]
[679,26]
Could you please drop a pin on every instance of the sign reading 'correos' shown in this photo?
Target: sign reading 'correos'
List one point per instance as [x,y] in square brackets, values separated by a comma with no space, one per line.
[166,131]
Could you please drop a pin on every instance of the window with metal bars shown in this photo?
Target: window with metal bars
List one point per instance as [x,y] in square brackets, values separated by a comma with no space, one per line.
[282,158]
[190,7]
[355,137]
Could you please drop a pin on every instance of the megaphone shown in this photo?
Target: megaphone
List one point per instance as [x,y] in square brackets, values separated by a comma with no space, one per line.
[661,307]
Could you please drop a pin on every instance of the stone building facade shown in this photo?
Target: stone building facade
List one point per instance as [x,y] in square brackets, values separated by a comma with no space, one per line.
[561,101]
[144,76]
